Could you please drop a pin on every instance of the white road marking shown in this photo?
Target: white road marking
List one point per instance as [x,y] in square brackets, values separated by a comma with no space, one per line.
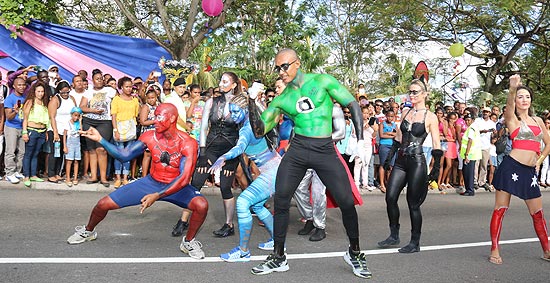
[186,259]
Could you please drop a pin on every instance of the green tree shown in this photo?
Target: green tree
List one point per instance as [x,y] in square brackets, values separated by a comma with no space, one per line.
[20,12]
[349,32]
[393,75]
[257,31]
[495,31]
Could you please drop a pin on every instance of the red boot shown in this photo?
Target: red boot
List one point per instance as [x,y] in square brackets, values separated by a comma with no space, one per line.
[496,226]
[540,227]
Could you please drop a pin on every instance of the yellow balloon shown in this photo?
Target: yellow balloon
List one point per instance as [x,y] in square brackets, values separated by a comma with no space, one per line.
[456,49]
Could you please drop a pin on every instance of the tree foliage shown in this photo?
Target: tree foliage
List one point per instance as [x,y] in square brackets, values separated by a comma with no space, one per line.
[495,31]
[350,33]
[20,12]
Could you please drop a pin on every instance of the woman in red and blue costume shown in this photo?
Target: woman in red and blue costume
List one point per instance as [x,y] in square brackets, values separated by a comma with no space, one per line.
[174,155]
[517,174]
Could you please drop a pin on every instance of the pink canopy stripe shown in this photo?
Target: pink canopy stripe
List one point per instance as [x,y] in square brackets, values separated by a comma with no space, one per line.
[67,58]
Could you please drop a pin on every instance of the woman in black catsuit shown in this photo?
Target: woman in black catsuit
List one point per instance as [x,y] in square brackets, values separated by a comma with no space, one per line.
[221,134]
[410,166]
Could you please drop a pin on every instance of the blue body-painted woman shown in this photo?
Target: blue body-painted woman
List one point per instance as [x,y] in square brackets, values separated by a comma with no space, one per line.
[260,190]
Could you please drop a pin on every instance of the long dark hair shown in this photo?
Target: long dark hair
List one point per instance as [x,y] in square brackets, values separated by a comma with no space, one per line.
[238,89]
[530,110]
[31,95]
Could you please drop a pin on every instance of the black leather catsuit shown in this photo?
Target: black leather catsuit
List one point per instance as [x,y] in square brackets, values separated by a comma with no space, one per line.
[223,134]
[410,169]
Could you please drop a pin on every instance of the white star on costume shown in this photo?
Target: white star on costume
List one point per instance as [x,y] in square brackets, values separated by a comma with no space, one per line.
[534,181]
[515,177]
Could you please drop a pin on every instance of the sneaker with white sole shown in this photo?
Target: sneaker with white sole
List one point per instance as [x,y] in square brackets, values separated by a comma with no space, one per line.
[236,255]
[81,235]
[193,248]
[19,175]
[12,179]
[271,264]
[359,264]
[267,246]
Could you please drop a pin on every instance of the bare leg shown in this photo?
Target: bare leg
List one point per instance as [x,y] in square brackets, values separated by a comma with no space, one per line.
[146,161]
[102,162]
[93,165]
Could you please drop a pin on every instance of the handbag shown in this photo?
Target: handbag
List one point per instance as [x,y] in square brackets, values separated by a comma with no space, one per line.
[127,130]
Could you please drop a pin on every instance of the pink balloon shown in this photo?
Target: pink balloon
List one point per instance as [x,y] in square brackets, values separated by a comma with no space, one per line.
[212,8]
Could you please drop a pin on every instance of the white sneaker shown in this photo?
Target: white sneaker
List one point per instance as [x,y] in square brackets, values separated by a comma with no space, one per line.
[19,175]
[193,248]
[267,246]
[12,179]
[81,235]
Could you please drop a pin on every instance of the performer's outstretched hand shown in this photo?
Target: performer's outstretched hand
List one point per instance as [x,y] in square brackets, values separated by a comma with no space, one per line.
[148,200]
[92,134]
[217,165]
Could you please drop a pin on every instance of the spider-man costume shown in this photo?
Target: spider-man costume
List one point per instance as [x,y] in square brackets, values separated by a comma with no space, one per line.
[174,155]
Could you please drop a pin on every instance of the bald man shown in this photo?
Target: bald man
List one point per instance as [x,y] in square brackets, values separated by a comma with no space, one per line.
[307,100]
[174,155]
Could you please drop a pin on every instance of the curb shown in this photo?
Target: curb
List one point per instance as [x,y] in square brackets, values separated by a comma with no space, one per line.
[83,187]
[209,191]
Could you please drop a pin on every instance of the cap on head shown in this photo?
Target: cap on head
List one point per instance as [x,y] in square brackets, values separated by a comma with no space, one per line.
[179,81]
[77,110]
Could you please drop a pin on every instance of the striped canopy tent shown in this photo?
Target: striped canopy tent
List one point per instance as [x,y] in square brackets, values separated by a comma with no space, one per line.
[45,44]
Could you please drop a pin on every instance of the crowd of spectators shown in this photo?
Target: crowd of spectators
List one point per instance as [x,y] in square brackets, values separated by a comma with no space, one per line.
[491,141]
[43,113]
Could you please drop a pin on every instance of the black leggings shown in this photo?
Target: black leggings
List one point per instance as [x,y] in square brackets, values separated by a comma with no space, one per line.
[410,170]
[320,155]
[214,150]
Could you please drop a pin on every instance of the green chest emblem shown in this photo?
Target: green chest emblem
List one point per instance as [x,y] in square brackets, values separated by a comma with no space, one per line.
[304,105]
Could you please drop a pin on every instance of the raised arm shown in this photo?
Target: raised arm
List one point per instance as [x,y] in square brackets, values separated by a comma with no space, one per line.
[510,115]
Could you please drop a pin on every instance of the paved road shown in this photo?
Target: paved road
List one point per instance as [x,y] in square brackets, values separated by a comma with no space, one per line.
[131,247]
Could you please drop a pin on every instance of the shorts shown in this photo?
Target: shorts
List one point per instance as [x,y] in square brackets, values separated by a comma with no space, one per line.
[493,161]
[131,194]
[383,152]
[104,127]
[517,179]
[73,152]
[444,146]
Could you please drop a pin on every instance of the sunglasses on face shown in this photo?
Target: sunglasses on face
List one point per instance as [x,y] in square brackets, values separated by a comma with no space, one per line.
[414,92]
[379,105]
[284,67]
